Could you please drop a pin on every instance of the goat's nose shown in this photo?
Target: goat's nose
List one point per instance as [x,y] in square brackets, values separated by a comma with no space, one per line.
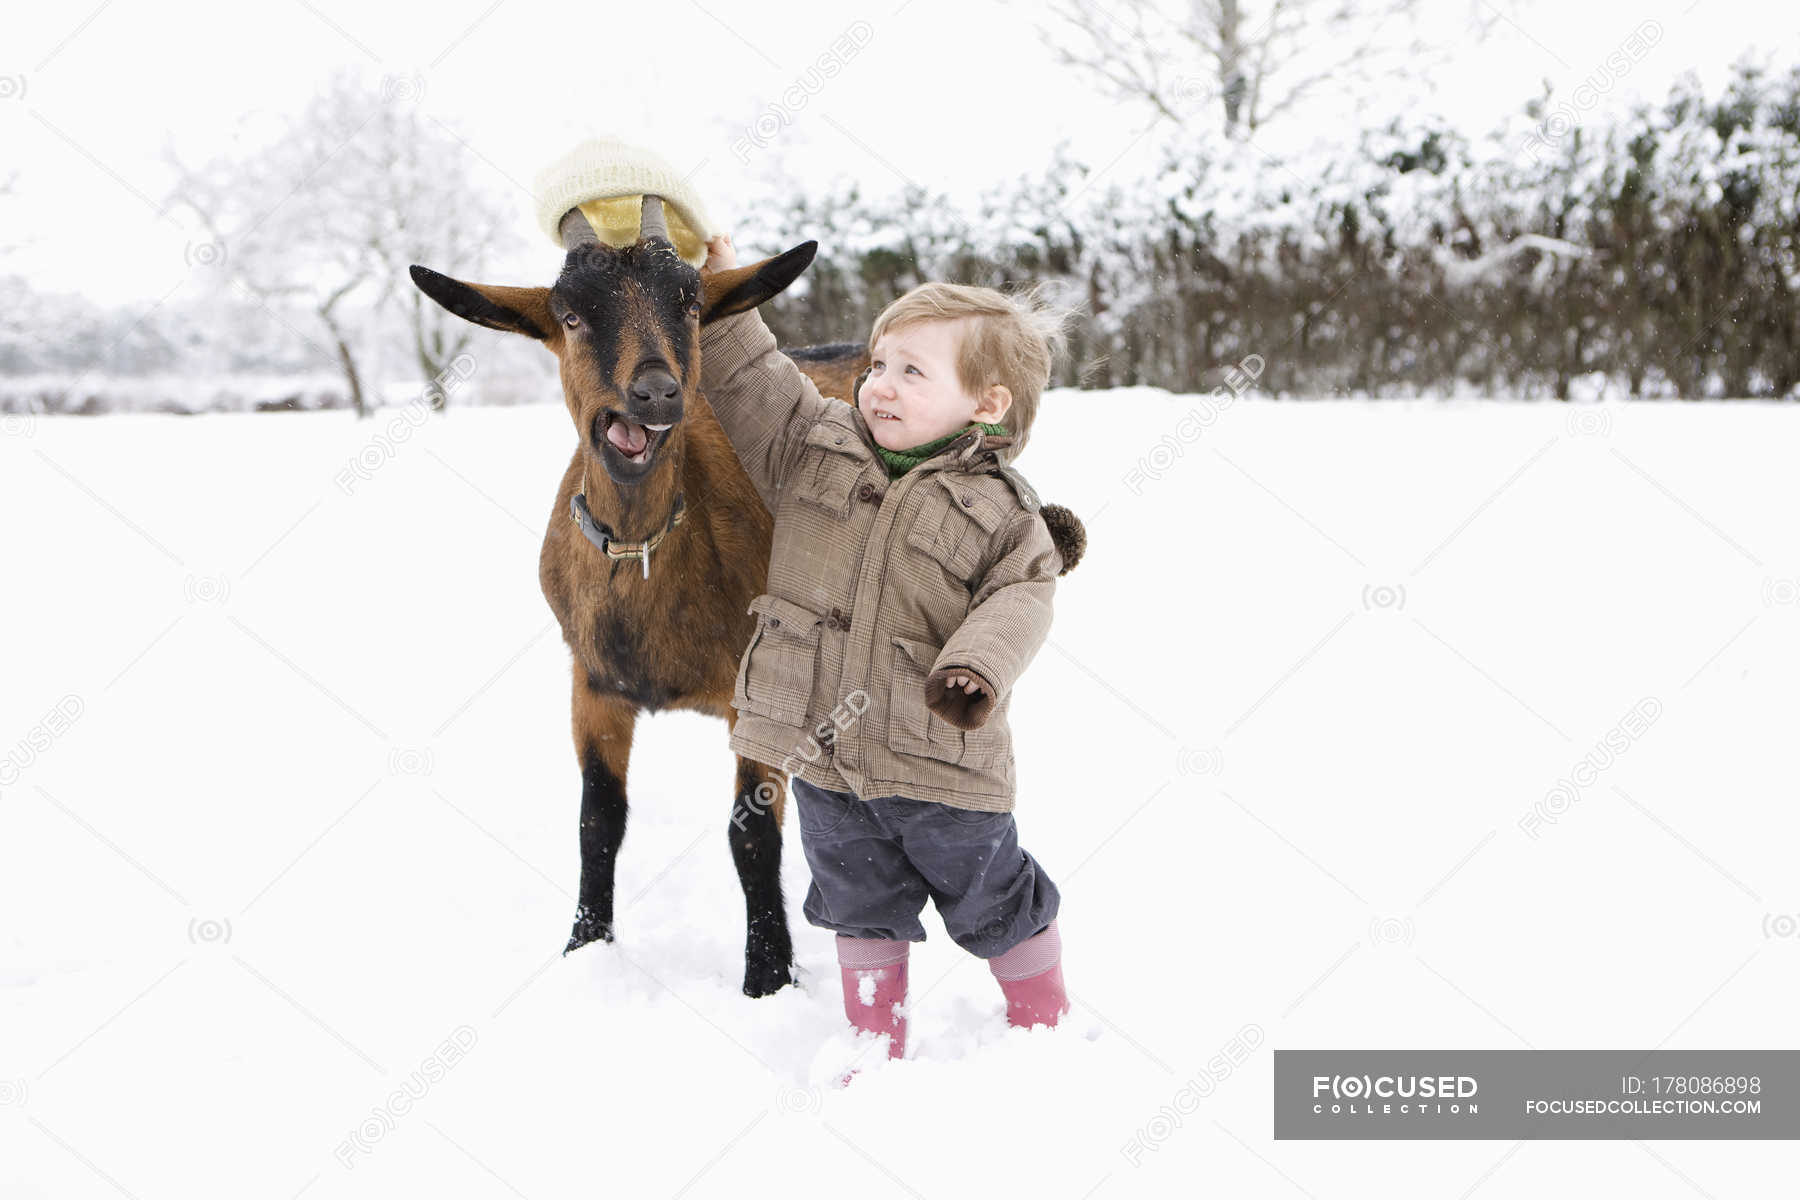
[654,385]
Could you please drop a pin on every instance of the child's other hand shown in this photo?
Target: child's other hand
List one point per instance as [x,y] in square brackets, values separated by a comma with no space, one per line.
[721,255]
[959,696]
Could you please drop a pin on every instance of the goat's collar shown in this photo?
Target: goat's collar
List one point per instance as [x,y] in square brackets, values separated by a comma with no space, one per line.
[612,547]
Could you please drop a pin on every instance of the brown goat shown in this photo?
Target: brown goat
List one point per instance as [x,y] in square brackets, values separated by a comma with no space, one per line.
[657,541]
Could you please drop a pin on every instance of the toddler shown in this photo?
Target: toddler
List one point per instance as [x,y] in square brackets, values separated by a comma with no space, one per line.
[910,584]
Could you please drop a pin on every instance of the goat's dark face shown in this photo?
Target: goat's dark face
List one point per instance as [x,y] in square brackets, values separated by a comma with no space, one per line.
[629,325]
[625,324]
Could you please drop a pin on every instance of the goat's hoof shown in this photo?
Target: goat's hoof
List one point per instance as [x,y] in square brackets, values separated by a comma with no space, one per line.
[588,929]
[766,978]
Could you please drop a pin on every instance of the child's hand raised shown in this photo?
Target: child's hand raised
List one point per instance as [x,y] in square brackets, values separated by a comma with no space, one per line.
[721,255]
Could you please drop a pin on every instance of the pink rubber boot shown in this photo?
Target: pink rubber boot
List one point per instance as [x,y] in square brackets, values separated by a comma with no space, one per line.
[874,971]
[1030,975]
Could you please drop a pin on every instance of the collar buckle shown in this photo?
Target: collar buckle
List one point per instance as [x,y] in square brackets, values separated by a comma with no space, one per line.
[603,539]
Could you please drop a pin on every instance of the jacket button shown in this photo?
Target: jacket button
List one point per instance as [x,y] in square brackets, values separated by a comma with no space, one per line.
[835,619]
[838,440]
[866,492]
[967,500]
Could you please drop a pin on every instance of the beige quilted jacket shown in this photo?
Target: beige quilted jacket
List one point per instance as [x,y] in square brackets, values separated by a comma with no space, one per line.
[878,590]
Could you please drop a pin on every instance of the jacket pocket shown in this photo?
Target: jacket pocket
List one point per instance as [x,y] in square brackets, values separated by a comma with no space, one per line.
[990,747]
[912,727]
[955,525]
[830,466]
[775,676]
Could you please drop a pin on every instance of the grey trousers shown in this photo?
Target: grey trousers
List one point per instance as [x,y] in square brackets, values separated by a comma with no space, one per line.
[875,861]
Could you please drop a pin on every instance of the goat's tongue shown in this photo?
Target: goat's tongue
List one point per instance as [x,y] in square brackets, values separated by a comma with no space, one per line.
[630,438]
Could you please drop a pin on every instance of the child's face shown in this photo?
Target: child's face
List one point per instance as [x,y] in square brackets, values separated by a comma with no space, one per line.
[912,395]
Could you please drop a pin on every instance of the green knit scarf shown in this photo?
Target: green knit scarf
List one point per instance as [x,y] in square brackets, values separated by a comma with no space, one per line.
[899,462]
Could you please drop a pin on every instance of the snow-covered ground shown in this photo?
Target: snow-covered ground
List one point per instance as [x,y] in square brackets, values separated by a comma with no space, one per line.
[288,823]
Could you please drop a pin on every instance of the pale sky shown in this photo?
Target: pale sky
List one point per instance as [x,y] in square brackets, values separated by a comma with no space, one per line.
[952,94]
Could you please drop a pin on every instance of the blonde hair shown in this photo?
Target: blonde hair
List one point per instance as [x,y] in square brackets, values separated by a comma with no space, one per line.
[1012,339]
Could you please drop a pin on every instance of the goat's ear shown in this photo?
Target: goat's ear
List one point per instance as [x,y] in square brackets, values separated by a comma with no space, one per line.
[743,288]
[512,309]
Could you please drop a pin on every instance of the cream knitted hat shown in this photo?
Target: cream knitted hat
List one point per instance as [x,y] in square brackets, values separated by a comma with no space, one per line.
[605,178]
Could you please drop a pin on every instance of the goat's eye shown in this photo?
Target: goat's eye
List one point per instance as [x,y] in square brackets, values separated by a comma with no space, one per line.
[693,308]
[572,321]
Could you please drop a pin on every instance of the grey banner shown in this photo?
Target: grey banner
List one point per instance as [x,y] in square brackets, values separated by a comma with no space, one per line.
[1549,1094]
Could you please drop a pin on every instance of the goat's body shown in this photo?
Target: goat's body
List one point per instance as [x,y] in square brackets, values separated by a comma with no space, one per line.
[669,641]
[833,368]
[624,325]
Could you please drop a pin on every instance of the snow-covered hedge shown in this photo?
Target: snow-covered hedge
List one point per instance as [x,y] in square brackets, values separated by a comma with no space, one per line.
[1656,255]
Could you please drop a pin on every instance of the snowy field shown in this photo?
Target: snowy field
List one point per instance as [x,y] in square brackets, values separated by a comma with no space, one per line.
[287,819]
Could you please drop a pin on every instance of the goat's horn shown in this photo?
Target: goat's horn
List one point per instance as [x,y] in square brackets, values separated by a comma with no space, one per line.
[652,224]
[576,231]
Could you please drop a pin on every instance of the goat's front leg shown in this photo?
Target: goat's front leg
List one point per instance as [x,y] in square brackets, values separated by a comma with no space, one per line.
[603,723]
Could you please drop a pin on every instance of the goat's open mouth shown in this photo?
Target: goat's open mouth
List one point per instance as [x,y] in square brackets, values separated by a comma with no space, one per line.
[634,443]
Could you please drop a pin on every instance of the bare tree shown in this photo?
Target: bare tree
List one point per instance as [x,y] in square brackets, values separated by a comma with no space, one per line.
[1255,60]
[433,206]
[325,218]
